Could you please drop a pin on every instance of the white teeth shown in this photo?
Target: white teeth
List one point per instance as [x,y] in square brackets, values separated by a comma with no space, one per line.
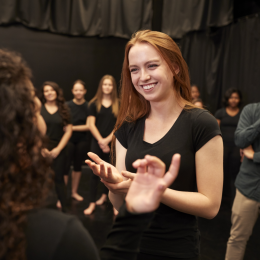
[148,86]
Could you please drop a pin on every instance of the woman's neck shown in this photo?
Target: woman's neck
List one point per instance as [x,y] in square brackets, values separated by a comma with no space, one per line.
[233,109]
[165,109]
[51,103]
[106,97]
[79,101]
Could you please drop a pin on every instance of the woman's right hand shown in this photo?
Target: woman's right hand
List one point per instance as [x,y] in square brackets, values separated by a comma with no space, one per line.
[104,170]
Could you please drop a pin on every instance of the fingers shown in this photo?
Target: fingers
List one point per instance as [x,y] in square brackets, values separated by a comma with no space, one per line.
[155,165]
[95,158]
[128,175]
[172,173]
[140,165]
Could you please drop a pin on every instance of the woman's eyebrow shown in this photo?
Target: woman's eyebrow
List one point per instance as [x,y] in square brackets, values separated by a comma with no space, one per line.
[155,60]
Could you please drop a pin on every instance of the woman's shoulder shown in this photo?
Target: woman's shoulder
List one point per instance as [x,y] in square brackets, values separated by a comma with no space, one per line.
[220,113]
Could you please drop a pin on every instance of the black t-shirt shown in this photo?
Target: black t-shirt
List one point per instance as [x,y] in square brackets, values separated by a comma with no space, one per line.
[105,119]
[172,233]
[54,124]
[53,235]
[228,125]
[79,114]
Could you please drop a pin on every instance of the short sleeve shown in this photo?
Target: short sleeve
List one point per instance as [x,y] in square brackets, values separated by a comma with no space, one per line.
[92,111]
[122,134]
[205,127]
[219,114]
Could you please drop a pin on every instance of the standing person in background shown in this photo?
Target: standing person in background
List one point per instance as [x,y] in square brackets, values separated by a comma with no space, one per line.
[198,103]
[78,144]
[245,210]
[103,110]
[227,118]
[59,129]
[195,93]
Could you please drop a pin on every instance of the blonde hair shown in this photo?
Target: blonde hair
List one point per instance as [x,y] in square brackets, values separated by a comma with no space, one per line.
[99,95]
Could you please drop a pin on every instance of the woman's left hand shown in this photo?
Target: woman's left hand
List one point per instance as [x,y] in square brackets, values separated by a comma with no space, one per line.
[118,188]
[54,152]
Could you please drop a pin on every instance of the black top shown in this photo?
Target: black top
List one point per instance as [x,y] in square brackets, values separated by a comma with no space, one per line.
[228,125]
[172,233]
[248,133]
[105,119]
[53,235]
[54,124]
[79,114]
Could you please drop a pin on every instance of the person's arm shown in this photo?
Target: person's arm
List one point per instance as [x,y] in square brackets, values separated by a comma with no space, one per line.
[91,122]
[81,128]
[118,199]
[218,120]
[105,141]
[40,121]
[209,174]
[63,142]
[246,131]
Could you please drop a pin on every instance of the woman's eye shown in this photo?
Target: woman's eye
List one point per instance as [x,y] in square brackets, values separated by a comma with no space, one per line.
[152,66]
[133,70]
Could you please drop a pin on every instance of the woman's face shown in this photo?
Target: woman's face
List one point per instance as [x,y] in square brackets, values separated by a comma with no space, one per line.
[49,93]
[107,86]
[195,94]
[78,91]
[150,73]
[234,100]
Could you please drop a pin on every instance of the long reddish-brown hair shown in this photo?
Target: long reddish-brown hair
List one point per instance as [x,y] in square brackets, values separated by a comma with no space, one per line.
[134,105]
[99,95]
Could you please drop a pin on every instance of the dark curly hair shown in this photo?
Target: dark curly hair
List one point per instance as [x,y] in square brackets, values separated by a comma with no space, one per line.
[228,94]
[60,101]
[24,181]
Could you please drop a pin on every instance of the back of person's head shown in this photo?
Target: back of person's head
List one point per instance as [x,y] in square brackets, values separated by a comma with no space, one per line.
[23,170]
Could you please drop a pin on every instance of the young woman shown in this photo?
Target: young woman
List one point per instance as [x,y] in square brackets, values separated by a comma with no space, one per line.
[103,110]
[28,231]
[159,120]
[227,118]
[59,129]
[78,144]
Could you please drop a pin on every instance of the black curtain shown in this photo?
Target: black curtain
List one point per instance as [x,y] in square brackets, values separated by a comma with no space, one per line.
[228,57]
[118,18]
[182,16]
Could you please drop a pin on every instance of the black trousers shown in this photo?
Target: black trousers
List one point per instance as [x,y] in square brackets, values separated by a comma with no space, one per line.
[231,168]
[76,152]
[95,180]
[59,168]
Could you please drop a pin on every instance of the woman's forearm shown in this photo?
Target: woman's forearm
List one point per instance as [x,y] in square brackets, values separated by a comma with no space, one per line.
[80,128]
[193,203]
[65,138]
[116,199]
[94,131]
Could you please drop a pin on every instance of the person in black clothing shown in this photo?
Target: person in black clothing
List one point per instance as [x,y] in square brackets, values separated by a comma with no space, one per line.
[78,143]
[227,118]
[103,110]
[160,120]
[30,232]
[59,129]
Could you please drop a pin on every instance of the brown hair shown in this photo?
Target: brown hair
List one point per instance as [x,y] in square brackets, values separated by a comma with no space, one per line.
[24,172]
[98,97]
[79,81]
[60,101]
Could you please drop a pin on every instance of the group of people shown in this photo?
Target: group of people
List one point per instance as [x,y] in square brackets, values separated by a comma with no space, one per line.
[68,124]
[155,129]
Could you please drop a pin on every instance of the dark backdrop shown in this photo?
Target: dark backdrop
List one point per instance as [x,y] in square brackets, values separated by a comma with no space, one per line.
[64,59]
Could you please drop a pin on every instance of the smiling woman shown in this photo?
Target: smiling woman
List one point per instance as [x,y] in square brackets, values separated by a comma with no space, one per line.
[157,118]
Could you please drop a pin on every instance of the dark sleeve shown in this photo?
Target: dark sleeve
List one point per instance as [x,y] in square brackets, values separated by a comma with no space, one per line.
[122,134]
[76,243]
[219,114]
[246,131]
[124,239]
[70,114]
[92,110]
[205,127]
